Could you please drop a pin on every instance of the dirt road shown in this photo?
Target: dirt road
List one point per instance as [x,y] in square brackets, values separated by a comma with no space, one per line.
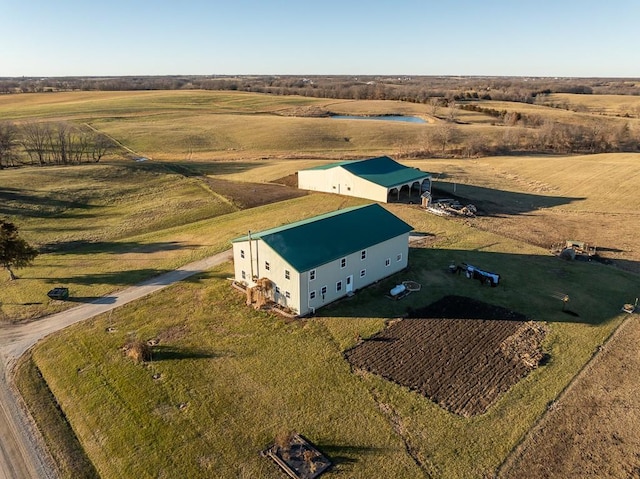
[21,456]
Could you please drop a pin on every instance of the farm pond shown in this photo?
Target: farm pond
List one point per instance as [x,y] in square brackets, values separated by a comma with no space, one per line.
[402,118]
[461,353]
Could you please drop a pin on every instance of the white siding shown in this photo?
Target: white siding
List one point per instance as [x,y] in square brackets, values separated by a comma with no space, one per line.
[262,254]
[299,285]
[340,181]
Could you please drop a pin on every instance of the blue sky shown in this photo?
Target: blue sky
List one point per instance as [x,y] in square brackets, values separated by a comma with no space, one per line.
[356,37]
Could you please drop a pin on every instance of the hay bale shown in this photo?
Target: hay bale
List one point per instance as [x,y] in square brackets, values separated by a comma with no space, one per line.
[138,351]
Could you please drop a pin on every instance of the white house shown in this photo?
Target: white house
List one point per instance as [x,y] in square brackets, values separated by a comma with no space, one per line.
[377,179]
[319,260]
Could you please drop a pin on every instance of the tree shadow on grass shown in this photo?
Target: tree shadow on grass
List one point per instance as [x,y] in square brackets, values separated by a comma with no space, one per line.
[166,353]
[116,278]
[112,247]
[192,168]
[30,203]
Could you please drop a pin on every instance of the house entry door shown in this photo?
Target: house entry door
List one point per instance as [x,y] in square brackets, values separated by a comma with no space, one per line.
[349,284]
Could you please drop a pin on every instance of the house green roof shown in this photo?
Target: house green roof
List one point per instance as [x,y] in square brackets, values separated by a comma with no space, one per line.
[319,240]
[382,171]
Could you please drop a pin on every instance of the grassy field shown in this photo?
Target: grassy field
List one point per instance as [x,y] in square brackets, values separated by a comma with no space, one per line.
[225,380]
[103,227]
[245,376]
[616,105]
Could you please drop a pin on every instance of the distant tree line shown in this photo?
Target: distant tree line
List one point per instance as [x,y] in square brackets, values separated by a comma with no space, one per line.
[415,89]
[60,143]
[448,139]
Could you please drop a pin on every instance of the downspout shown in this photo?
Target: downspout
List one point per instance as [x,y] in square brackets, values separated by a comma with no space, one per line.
[250,255]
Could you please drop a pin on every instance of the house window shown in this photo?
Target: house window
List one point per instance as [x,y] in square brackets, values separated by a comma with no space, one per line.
[287,294]
[312,275]
[343,262]
[267,266]
[363,273]
[387,261]
[363,254]
[287,274]
[277,289]
[244,275]
[338,286]
[312,295]
[399,257]
[242,253]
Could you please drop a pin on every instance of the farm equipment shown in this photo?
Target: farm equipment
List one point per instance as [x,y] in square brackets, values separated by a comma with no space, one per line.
[59,293]
[578,250]
[485,277]
[449,207]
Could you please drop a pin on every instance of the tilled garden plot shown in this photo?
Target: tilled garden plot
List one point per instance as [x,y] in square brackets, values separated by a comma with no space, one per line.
[460,353]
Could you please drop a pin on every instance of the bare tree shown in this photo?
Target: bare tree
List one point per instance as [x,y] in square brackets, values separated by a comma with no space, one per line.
[8,143]
[35,140]
[434,103]
[101,144]
[452,111]
[444,134]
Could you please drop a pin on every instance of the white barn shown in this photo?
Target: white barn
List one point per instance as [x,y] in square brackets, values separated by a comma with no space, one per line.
[378,179]
[319,260]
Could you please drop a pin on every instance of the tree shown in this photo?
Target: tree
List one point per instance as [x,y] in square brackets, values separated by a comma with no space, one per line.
[15,252]
[8,142]
[34,141]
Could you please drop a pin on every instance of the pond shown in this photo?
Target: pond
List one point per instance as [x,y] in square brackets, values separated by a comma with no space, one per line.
[406,119]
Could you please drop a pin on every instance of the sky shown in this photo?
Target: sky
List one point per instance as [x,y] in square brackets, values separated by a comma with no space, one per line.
[575,38]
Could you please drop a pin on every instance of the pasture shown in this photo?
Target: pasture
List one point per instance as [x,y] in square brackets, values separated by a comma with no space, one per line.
[224,379]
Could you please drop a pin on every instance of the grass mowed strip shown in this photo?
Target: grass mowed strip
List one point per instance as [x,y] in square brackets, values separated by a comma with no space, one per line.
[68,455]
[227,381]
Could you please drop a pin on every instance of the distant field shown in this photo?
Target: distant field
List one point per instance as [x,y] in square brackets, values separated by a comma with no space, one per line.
[618,105]
[201,125]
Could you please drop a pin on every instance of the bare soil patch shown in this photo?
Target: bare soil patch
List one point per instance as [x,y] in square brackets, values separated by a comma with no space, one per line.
[249,195]
[459,352]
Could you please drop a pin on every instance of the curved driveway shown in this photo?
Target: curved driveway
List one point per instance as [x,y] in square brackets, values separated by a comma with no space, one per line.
[21,456]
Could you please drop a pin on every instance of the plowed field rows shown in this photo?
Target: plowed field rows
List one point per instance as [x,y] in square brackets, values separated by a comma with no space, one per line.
[451,352]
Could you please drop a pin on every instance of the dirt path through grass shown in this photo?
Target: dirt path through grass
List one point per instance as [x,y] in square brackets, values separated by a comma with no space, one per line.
[21,455]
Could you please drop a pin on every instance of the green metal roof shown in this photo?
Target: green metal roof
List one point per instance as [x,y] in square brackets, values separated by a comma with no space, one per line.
[382,171]
[316,241]
[385,172]
[332,165]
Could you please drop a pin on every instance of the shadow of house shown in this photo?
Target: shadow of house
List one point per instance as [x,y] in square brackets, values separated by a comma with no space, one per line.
[528,285]
[492,202]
